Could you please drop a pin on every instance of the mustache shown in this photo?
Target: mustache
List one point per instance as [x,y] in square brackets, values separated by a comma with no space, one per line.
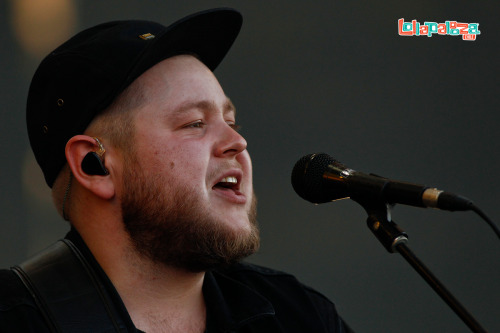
[223,167]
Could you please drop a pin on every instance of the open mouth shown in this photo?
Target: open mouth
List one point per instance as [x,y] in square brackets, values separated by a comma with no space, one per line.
[228,187]
[230,183]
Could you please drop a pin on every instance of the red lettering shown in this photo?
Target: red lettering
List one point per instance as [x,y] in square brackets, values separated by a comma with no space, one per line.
[463,28]
[400,29]
[424,29]
[442,29]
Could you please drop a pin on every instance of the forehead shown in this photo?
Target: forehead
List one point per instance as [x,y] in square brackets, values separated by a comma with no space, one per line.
[181,79]
[226,107]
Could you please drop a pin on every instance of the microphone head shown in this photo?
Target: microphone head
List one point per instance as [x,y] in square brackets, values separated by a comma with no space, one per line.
[310,182]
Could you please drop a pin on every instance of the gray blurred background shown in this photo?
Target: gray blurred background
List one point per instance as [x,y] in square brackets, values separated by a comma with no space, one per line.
[331,76]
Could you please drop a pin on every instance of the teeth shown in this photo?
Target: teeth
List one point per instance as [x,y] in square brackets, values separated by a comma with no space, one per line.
[231,180]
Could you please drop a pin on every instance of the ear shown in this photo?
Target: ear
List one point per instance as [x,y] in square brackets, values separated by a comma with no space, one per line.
[76,149]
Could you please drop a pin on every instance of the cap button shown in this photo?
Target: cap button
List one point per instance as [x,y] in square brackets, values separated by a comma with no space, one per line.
[60,102]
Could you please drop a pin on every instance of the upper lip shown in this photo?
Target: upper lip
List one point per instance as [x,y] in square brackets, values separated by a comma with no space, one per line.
[238,174]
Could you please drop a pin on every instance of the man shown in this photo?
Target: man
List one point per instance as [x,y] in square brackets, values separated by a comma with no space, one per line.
[139,144]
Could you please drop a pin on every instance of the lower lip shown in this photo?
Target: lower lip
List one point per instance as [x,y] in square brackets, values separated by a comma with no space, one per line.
[231,195]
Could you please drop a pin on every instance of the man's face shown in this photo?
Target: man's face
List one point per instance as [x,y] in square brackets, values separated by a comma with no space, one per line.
[187,195]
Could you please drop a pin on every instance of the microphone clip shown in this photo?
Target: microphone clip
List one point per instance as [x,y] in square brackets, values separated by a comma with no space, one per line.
[380,222]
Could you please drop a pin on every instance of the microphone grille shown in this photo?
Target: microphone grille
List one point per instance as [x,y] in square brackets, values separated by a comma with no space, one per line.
[307,176]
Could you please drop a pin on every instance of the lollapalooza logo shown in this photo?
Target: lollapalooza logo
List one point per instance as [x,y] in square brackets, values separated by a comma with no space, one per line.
[468,31]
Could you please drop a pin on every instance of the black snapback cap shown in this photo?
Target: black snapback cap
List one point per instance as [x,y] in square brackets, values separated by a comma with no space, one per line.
[83,76]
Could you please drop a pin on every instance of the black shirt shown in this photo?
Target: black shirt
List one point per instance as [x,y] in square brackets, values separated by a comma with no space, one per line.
[241,298]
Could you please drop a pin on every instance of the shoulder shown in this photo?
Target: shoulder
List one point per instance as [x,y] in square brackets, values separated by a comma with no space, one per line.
[259,276]
[264,277]
[18,313]
[287,294]
[245,269]
[12,291]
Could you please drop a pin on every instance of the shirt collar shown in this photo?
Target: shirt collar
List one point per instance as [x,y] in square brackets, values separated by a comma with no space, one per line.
[119,309]
[231,304]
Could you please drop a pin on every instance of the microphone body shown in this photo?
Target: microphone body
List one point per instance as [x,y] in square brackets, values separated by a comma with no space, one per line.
[319,178]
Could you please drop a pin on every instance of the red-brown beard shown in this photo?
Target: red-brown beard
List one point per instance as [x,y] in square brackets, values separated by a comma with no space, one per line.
[177,230]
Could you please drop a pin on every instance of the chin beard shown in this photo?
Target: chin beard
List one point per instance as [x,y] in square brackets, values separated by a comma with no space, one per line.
[177,230]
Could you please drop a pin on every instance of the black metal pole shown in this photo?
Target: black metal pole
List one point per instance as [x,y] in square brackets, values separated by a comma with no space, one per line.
[439,288]
[393,238]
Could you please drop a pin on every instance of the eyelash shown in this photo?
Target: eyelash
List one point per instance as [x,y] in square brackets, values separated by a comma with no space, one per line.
[234,126]
[201,124]
[196,124]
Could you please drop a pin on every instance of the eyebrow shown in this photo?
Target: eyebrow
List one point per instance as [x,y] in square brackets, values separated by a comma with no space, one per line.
[204,105]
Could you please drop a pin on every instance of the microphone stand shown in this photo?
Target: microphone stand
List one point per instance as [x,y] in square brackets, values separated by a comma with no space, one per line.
[393,238]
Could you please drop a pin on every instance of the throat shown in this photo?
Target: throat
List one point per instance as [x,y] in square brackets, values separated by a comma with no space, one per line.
[160,298]
[174,317]
[150,323]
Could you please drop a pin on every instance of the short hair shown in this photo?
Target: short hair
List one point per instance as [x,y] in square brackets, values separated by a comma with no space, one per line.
[115,124]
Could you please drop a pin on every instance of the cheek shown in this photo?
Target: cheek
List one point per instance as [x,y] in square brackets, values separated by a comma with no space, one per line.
[178,160]
[183,164]
[159,157]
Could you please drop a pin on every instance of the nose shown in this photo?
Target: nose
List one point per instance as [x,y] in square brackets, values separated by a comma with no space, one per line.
[229,142]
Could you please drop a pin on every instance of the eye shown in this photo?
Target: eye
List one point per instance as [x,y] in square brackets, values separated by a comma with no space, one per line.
[196,124]
[233,125]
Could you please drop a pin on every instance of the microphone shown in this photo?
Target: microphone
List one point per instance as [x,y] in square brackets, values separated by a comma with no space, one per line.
[319,178]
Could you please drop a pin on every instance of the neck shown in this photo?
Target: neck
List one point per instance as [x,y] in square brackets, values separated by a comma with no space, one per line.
[158,298]
[161,298]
